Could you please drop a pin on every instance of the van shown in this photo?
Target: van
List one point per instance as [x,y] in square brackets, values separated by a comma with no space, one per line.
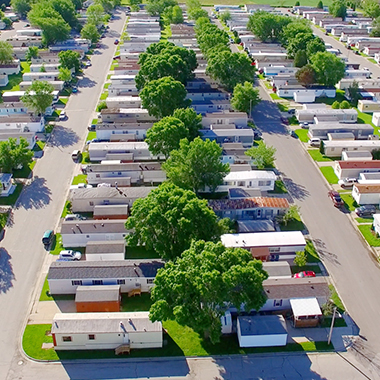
[48,237]
[315,141]
[75,155]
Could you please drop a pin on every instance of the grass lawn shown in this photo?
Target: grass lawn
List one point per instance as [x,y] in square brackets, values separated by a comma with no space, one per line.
[339,97]
[45,295]
[25,67]
[302,134]
[40,145]
[267,84]
[94,121]
[140,253]
[91,135]
[279,188]
[365,118]
[113,68]
[104,95]
[369,235]
[293,120]
[80,178]
[328,173]
[315,268]
[11,200]
[316,155]
[293,225]
[3,219]
[85,158]
[261,76]
[25,171]
[63,100]
[372,61]
[275,97]
[364,220]
[179,341]
[338,322]
[66,209]
[349,202]
[138,303]
[57,246]
[107,85]
[283,107]
[336,299]
[311,252]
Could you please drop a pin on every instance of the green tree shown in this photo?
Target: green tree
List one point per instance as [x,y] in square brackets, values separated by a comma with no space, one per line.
[158,7]
[301,259]
[21,7]
[344,105]
[14,154]
[230,69]
[196,13]
[106,5]
[101,106]
[90,32]
[354,93]
[169,218]
[245,97]
[203,283]
[297,4]
[262,155]
[225,16]
[173,15]
[165,135]
[338,8]
[329,68]
[191,120]
[335,105]
[31,53]
[299,42]
[306,75]
[95,14]
[290,31]
[314,46]
[196,165]
[66,9]
[38,96]
[69,59]
[320,5]
[6,52]
[291,214]
[375,32]
[65,75]
[162,96]
[300,58]
[78,4]
[371,8]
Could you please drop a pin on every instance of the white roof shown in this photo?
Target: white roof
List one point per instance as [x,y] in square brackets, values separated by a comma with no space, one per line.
[351,143]
[126,77]
[305,306]
[376,218]
[117,145]
[123,99]
[264,239]
[250,174]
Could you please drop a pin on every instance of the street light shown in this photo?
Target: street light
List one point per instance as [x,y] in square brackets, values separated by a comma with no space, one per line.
[331,327]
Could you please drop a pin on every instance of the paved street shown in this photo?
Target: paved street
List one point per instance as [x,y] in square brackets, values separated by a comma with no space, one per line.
[348,261]
[41,203]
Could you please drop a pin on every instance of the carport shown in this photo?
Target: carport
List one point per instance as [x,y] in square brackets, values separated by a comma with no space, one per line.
[306,312]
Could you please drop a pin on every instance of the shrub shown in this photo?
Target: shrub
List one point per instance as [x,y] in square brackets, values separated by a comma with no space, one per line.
[101,106]
[335,105]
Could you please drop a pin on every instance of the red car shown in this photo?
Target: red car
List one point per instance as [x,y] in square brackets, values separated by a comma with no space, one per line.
[335,197]
[306,273]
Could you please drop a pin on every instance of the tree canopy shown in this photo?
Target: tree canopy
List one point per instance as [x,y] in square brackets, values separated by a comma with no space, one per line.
[38,96]
[203,283]
[192,121]
[14,153]
[314,46]
[262,155]
[169,218]
[21,7]
[158,7]
[196,13]
[90,32]
[338,8]
[306,75]
[196,165]
[371,8]
[95,14]
[245,97]
[162,96]
[6,52]
[209,35]
[165,135]
[69,59]
[32,52]
[329,68]
[299,42]
[300,58]
[173,15]
[65,74]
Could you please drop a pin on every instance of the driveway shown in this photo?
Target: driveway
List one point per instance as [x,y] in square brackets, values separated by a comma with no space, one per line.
[41,203]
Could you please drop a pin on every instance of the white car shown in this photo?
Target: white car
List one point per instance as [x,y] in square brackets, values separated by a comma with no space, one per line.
[80,186]
[62,115]
[70,255]
[347,182]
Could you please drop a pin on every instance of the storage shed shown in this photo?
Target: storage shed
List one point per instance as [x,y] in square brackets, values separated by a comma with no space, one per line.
[366,194]
[111,212]
[262,331]
[105,250]
[306,312]
[98,298]
[357,155]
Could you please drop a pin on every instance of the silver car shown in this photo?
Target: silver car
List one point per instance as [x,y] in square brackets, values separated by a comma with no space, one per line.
[70,255]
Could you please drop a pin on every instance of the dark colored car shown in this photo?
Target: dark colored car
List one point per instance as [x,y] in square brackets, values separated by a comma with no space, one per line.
[335,197]
[292,111]
[293,134]
[116,42]
[91,127]
[284,120]
[366,210]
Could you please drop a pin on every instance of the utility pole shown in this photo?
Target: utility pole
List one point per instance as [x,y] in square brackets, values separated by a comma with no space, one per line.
[331,327]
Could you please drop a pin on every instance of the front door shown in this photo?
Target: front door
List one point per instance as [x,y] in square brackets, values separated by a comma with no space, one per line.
[125,338]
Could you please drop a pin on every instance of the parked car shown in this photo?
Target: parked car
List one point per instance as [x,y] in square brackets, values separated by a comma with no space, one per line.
[305,125]
[315,141]
[87,63]
[116,42]
[76,154]
[47,237]
[74,217]
[104,185]
[80,186]
[292,111]
[293,133]
[91,127]
[62,115]
[335,197]
[347,182]
[70,255]
[284,120]
[27,25]
[305,273]
[74,89]
[367,210]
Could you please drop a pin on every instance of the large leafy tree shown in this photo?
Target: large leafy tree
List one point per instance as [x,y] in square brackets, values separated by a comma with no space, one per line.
[329,68]
[338,8]
[306,75]
[196,165]
[169,218]
[14,153]
[230,69]
[6,52]
[300,58]
[90,32]
[209,35]
[262,155]
[162,96]
[66,9]
[106,5]
[196,13]
[203,283]
[38,96]
[354,93]
[375,32]
[299,42]
[173,15]
[95,14]
[165,135]
[69,59]
[65,75]
[21,7]
[192,121]
[31,53]
[314,46]
[245,97]
[371,8]
[294,28]
[157,7]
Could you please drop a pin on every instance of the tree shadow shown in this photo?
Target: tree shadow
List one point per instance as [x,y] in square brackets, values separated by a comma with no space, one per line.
[323,253]
[36,195]
[86,82]
[62,137]
[296,190]
[6,271]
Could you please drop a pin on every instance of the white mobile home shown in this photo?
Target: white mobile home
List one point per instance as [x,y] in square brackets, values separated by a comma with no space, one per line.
[376,223]
[239,119]
[368,194]
[123,102]
[336,148]
[102,331]
[342,115]
[357,155]
[369,178]
[358,74]
[352,169]
[112,131]
[321,130]
[257,179]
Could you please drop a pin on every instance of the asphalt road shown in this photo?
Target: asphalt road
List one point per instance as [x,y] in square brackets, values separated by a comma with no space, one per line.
[41,203]
[349,263]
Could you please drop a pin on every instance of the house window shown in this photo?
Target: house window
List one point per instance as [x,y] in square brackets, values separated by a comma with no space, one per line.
[121,282]
[261,183]
[91,203]
[149,280]
[275,249]
[277,303]
[76,282]
[66,339]
[97,282]
[91,337]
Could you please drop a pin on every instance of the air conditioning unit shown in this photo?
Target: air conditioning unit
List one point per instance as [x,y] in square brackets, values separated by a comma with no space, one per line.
[373,137]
